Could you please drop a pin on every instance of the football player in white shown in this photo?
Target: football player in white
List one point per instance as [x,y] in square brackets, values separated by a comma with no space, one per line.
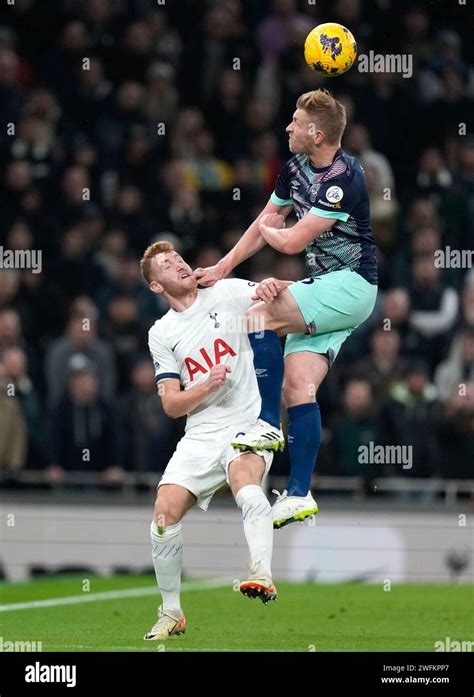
[201,344]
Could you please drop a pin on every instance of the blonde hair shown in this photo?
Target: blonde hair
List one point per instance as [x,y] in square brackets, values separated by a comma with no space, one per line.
[150,253]
[330,114]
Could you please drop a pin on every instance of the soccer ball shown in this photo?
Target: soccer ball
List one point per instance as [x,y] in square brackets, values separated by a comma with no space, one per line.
[330,49]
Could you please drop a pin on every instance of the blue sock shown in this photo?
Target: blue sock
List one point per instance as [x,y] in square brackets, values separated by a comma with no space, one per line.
[304,439]
[269,369]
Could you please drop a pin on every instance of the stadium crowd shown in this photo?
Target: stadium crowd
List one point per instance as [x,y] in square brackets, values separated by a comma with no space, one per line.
[123,122]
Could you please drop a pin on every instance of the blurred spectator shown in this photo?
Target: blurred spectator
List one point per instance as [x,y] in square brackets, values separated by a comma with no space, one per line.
[410,417]
[207,256]
[452,105]
[135,52]
[383,207]
[457,434]
[149,435]
[273,34]
[166,41]
[189,123]
[356,426]
[464,173]
[187,218]
[162,95]
[424,240]
[113,247]
[458,368]
[357,143]
[433,176]
[434,306]
[222,39]
[127,111]
[13,433]
[15,365]
[76,193]
[416,36]
[36,297]
[225,113]
[447,57]
[19,236]
[62,61]
[92,97]
[383,366]
[35,142]
[129,282]
[10,329]
[9,286]
[75,272]
[396,309]
[131,215]
[18,180]
[209,172]
[266,161]
[79,342]
[84,433]
[421,213]
[136,164]
[11,93]
[126,334]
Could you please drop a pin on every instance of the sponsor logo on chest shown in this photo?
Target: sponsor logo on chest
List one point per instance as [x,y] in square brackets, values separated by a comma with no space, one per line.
[203,360]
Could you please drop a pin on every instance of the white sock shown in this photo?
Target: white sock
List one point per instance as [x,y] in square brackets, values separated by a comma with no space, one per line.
[258,527]
[167,553]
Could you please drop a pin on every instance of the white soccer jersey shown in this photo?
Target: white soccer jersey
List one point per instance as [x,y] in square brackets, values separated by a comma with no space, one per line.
[186,345]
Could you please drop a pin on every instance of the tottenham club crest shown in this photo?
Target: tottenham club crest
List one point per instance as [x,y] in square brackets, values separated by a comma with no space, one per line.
[334,194]
[214,317]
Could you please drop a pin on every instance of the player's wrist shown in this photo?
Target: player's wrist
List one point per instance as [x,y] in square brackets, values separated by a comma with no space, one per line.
[207,386]
[224,266]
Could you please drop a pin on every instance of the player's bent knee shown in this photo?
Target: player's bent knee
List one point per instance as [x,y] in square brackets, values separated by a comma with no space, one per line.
[245,470]
[165,517]
[298,389]
[169,509]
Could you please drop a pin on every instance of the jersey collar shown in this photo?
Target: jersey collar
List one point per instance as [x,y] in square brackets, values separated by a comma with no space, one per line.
[337,154]
[191,309]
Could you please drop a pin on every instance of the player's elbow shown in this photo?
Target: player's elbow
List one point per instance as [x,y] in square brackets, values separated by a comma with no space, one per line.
[169,406]
[292,246]
[171,409]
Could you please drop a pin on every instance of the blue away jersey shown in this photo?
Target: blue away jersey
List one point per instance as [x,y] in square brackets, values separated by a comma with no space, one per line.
[337,192]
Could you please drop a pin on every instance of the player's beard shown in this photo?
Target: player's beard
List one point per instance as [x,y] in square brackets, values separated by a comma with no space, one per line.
[297,148]
[181,289]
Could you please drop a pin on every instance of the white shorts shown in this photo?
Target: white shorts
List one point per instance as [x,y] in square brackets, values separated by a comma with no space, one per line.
[201,461]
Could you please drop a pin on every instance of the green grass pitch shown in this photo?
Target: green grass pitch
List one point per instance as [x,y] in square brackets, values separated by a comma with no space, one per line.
[306,617]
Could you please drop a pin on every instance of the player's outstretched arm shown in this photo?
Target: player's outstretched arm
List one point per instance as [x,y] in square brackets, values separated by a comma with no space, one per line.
[250,243]
[294,239]
[177,403]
